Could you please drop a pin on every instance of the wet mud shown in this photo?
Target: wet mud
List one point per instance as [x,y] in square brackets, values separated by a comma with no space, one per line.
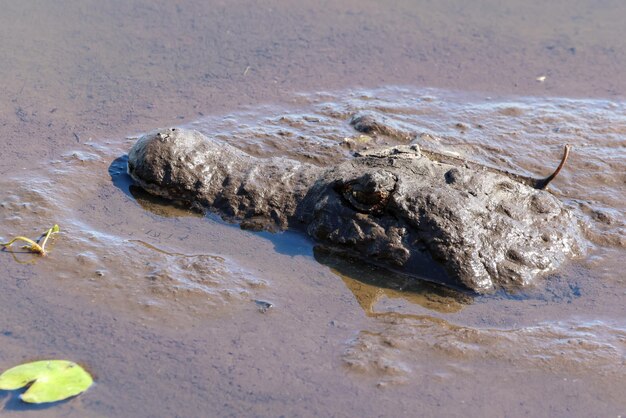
[170,309]
[165,266]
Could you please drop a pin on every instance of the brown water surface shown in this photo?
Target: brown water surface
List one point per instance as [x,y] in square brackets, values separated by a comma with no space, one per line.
[166,307]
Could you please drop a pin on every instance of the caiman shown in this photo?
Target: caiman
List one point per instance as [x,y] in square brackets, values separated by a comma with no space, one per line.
[426,214]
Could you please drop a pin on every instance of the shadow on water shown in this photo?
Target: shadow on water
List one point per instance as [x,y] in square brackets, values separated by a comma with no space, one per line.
[289,243]
[10,399]
[24,257]
[555,288]
[157,205]
[119,176]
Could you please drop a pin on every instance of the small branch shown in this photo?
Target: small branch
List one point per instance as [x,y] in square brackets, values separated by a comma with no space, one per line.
[33,246]
[543,183]
[529,181]
[50,231]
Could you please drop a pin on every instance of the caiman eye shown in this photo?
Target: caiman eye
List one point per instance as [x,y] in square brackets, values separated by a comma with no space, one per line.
[369,193]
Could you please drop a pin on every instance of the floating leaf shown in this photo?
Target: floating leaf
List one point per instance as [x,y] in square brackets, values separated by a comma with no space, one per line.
[54,380]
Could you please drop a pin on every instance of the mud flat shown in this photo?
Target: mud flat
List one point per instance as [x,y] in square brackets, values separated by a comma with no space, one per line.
[170,309]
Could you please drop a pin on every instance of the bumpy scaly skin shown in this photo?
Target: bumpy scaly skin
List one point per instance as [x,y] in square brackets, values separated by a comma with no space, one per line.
[394,207]
[185,165]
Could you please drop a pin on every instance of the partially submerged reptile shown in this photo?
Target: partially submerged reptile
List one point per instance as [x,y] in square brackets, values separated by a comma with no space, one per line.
[427,214]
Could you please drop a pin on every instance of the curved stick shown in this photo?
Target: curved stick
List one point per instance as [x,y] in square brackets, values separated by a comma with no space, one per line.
[543,183]
[535,183]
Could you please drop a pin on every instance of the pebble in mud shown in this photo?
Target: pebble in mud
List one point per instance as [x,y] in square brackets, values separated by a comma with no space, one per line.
[263,306]
[370,123]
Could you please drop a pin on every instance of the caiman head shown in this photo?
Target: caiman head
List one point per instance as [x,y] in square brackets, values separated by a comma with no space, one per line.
[470,227]
[432,216]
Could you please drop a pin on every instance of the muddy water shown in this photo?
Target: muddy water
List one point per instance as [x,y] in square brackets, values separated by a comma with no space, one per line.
[166,307]
[171,270]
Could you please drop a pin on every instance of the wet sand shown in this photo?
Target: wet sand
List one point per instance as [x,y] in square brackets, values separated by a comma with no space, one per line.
[159,303]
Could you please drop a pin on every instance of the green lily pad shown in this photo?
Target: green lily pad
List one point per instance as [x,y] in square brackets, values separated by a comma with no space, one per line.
[54,380]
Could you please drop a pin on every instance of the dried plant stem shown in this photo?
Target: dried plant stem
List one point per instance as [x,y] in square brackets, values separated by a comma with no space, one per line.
[33,247]
[48,233]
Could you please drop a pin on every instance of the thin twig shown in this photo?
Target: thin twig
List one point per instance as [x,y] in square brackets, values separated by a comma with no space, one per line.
[33,247]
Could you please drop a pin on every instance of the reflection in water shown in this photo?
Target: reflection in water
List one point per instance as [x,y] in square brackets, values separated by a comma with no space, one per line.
[14,402]
[22,256]
[161,206]
[157,205]
[382,292]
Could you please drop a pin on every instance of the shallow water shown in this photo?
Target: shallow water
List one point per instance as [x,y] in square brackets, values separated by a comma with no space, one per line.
[337,324]
[168,308]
